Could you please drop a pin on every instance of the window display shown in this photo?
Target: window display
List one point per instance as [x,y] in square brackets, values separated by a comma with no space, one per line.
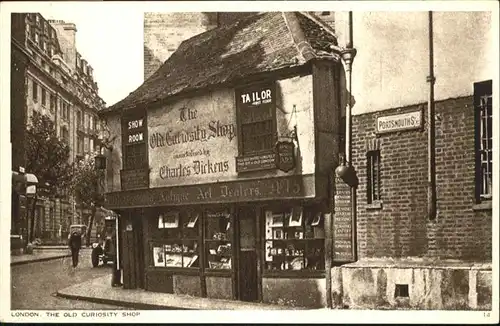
[179,244]
[294,240]
[218,240]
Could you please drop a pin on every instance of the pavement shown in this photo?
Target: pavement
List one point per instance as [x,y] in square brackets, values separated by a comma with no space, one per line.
[34,286]
[99,290]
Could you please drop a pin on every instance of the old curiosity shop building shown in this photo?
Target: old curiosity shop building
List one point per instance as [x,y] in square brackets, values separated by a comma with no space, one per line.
[228,166]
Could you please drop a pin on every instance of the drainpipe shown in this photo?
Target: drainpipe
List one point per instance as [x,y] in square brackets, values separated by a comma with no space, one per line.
[431,177]
[348,56]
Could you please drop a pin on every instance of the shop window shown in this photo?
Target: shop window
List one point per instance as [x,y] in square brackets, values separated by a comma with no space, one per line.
[256,118]
[373,176]
[179,243]
[484,139]
[218,240]
[295,240]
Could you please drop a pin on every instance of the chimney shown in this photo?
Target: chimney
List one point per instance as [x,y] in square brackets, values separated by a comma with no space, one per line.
[66,33]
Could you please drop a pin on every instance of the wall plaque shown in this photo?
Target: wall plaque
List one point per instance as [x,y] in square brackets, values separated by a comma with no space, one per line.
[343,235]
[285,156]
[134,179]
[255,162]
[399,122]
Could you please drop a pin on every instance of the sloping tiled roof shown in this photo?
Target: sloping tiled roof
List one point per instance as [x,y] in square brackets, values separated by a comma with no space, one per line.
[260,43]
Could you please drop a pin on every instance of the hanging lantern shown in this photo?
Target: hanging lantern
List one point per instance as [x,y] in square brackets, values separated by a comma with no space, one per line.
[347,174]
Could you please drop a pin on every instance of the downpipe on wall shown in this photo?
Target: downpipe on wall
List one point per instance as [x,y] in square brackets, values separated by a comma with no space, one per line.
[346,170]
[431,146]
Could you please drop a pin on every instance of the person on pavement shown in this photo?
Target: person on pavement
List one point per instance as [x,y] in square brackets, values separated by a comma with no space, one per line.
[75,242]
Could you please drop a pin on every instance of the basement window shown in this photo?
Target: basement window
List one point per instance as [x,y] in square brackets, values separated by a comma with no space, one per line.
[401,291]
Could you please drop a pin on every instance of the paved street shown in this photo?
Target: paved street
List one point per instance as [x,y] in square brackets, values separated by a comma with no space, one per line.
[34,285]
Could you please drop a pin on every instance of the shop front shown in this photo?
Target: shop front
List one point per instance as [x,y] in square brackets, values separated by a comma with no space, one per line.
[265,243]
[220,216]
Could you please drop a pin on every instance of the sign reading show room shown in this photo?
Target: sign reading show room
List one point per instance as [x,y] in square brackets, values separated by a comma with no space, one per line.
[399,122]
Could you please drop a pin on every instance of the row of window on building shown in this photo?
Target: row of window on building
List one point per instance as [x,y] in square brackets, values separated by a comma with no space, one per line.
[43,34]
[84,120]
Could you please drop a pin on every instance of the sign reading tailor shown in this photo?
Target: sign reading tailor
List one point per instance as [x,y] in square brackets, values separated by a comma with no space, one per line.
[399,122]
[193,142]
[255,104]
[285,156]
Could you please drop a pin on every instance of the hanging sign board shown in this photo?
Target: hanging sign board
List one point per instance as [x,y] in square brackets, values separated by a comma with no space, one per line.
[285,156]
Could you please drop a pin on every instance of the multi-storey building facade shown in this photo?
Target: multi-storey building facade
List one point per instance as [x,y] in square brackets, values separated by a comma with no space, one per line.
[59,83]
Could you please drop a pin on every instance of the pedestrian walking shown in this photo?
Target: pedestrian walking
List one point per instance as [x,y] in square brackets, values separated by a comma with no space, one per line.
[75,242]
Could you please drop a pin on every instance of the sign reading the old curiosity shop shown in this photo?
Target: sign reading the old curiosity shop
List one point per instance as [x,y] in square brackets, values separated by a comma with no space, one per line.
[399,122]
[193,141]
[256,105]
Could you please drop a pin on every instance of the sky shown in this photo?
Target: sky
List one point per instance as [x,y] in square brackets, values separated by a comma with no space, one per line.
[111,43]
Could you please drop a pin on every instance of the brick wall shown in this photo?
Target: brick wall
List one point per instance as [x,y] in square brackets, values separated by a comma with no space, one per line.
[164,32]
[401,227]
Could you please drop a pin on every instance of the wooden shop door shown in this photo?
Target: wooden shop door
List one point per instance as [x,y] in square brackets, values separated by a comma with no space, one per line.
[133,253]
[247,258]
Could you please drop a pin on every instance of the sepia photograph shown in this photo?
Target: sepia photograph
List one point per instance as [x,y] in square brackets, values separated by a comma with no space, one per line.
[163,155]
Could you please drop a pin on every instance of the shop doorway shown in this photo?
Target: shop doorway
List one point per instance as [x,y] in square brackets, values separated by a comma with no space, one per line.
[247,262]
[133,251]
